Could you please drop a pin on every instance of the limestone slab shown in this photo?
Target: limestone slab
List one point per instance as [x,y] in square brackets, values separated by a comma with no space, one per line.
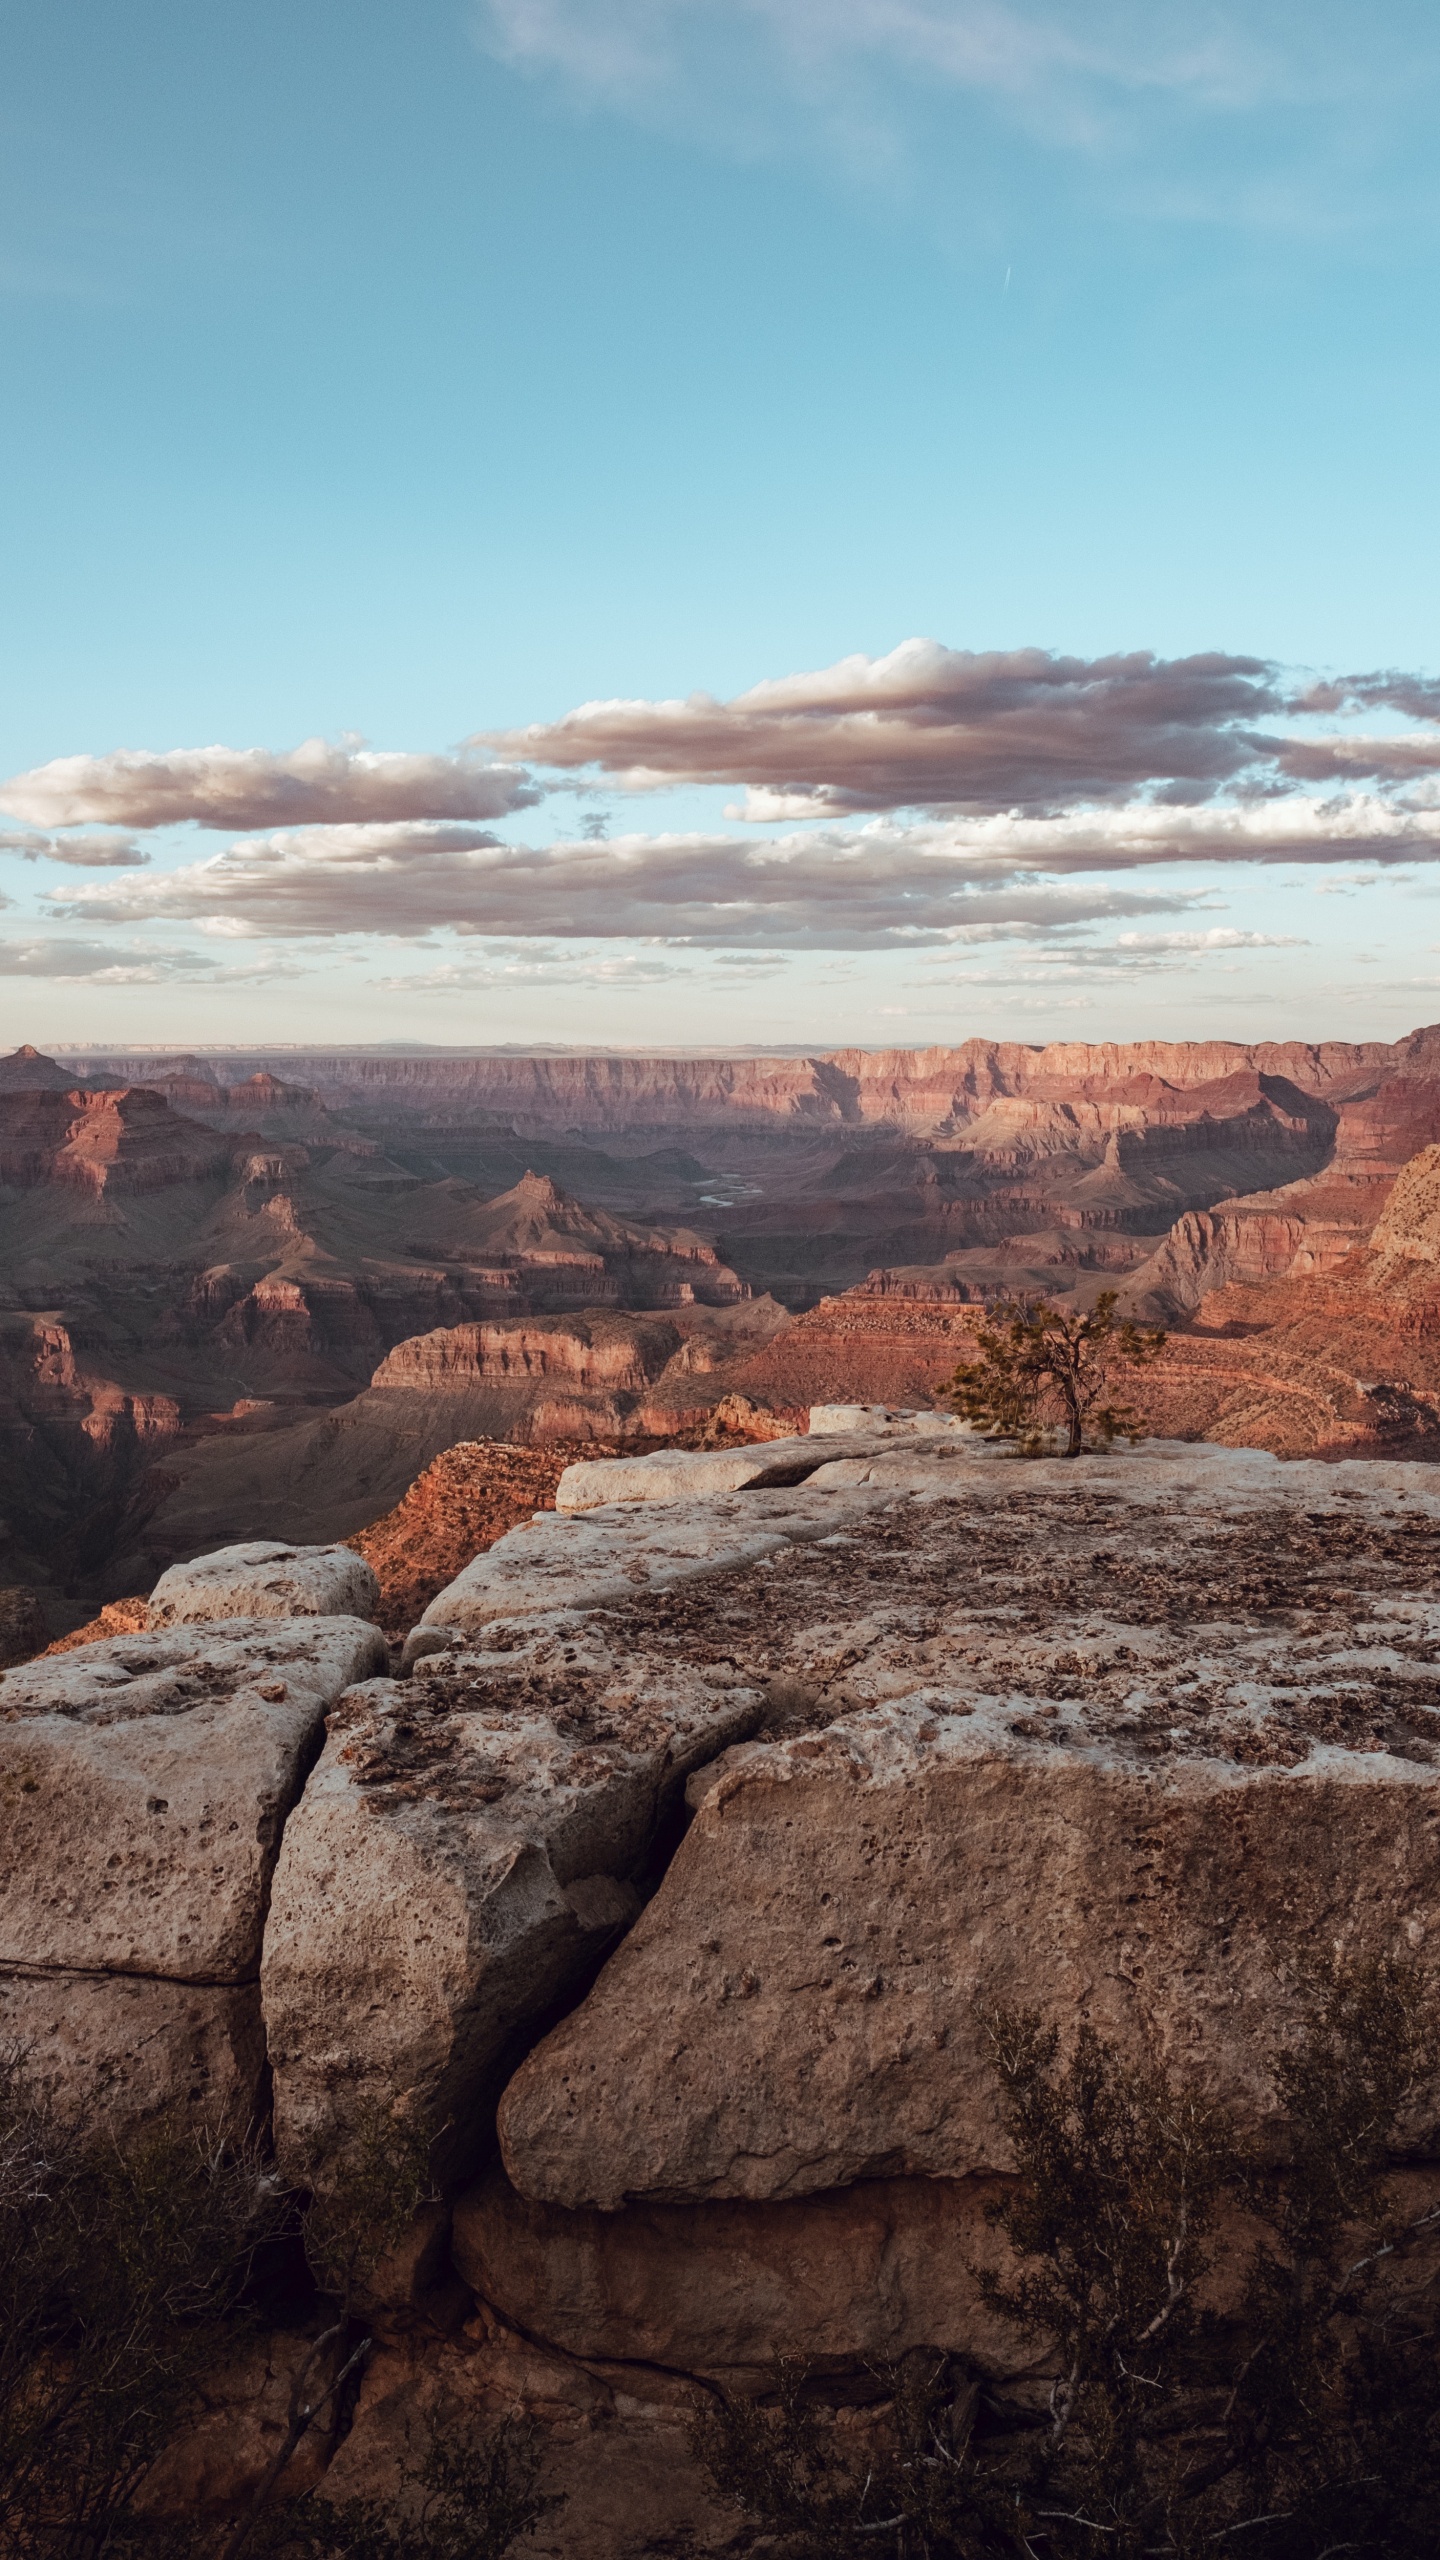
[143,1784]
[865,2272]
[122,2051]
[266,1578]
[1126,1742]
[458,1861]
[603,1558]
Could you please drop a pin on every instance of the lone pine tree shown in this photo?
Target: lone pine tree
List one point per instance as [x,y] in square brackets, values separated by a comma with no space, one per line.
[1039,1369]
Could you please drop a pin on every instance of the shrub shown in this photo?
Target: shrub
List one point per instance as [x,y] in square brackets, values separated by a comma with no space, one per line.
[122,2275]
[1306,2422]
[1040,1370]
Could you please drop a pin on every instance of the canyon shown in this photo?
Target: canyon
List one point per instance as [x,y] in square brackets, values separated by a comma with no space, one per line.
[259,1293]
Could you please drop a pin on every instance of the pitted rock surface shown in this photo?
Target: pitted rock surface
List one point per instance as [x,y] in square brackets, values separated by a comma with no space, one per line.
[679,1475]
[1122,1738]
[266,1578]
[143,1783]
[461,1857]
[593,1559]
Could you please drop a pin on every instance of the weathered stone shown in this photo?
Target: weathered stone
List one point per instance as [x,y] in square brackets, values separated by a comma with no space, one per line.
[600,1558]
[266,1579]
[143,1783]
[121,2049]
[1106,1738]
[615,2443]
[865,2272]
[698,1475]
[683,1475]
[457,1862]
[217,2461]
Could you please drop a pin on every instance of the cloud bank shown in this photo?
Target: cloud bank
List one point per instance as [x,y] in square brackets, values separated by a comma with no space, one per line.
[933,727]
[245,787]
[864,888]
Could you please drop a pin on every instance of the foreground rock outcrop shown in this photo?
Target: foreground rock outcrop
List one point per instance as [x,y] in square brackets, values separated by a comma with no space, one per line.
[671,1891]
[144,1782]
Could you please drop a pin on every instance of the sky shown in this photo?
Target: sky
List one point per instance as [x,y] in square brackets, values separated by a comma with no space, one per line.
[718,523]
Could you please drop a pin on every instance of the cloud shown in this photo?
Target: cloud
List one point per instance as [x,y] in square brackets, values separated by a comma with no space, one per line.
[631,52]
[72,962]
[1128,955]
[498,969]
[933,727]
[105,852]
[243,787]
[837,889]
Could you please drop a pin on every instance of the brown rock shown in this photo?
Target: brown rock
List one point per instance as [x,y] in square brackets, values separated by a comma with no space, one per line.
[615,2444]
[23,1631]
[865,2272]
[121,2050]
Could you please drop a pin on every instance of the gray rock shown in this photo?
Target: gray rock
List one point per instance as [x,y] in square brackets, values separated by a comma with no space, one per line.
[459,1859]
[266,1578]
[1124,1740]
[603,1558]
[143,1783]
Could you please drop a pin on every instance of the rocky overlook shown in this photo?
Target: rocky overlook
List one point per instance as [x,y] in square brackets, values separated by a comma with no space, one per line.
[668,1884]
[252,1295]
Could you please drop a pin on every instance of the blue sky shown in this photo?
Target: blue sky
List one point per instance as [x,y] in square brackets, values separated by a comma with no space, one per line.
[418,373]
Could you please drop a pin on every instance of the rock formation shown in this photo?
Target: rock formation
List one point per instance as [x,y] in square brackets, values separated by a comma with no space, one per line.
[1121,1738]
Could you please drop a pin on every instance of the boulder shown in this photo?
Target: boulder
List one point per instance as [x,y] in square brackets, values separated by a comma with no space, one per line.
[144,1782]
[602,1558]
[461,1859]
[865,2273]
[266,1579]
[1124,1743]
[682,1475]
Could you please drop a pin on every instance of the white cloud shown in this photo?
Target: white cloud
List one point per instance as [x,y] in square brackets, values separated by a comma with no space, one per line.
[240,787]
[831,890]
[103,852]
[932,727]
[70,962]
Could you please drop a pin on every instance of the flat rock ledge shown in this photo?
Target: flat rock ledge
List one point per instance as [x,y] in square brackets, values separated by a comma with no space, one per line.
[1127,1740]
[266,1578]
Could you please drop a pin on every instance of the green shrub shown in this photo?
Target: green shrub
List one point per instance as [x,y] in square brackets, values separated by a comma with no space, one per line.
[1040,1371]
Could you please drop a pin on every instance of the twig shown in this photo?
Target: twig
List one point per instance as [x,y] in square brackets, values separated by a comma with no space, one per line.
[302,2415]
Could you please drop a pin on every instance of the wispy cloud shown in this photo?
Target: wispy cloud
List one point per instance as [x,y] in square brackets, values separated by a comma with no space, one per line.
[1262,114]
[101,852]
[69,961]
[242,787]
[835,889]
